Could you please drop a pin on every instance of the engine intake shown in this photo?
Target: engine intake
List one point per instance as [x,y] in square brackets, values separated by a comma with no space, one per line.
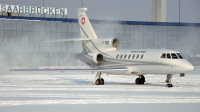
[99,58]
[115,42]
[106,43]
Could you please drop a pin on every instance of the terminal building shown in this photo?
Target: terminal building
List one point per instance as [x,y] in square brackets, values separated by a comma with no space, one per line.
[21,39]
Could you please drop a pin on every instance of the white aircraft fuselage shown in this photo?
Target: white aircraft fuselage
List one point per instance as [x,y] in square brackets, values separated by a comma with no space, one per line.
[139,62]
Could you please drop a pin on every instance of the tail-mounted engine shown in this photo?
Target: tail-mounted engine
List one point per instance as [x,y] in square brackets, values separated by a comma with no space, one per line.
[107,43]
[115,42]
[97,58]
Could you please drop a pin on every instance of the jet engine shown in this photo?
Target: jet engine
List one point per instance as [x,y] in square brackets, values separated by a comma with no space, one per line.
[107,43]
[97,58]
[115,42]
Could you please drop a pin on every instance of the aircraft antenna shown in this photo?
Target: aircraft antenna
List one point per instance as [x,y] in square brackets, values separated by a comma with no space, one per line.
[43,7]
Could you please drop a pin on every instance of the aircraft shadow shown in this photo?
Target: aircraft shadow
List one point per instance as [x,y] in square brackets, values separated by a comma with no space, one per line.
[90,82]
[133,84]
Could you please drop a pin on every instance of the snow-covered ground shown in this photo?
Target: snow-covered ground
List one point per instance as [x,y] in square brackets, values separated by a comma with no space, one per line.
[67,92]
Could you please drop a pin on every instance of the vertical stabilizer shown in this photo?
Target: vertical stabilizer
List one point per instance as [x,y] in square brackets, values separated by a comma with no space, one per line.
[86,28]
[86,31]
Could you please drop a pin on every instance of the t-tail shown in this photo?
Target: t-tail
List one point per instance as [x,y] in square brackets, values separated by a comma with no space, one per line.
[86,31]
[90,42]
[94,44]
[86,28]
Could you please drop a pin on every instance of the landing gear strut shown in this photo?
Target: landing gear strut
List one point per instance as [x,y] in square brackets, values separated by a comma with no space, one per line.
[98,80]
[168,80]
[140,80]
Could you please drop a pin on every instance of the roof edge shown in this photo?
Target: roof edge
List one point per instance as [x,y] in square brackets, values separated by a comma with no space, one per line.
[103,21]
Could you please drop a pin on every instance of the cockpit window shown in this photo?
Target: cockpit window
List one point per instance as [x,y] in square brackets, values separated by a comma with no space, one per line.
[168,56]
[174,56]
[163,55]
[179,55]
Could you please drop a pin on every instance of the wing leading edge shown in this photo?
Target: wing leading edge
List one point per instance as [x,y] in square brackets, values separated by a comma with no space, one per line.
[78,70]
[67,40]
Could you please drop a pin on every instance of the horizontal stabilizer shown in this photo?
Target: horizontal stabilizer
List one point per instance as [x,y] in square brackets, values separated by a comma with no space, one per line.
[67,40]
[78,70]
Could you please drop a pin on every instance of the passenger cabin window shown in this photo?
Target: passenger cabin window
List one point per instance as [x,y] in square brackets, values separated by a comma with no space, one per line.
[125,56]
[133,56]
[137,56]
[179,55]
[174,56]
[163,55]
[121,56]
[129,56]
[141,56]
[168,56]
[117,56]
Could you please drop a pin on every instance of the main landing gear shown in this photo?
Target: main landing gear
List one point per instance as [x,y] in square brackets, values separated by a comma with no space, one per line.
[98,80]
[140,80]
[168,80]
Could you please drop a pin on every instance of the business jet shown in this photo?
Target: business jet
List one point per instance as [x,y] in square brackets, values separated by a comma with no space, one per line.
[102,55]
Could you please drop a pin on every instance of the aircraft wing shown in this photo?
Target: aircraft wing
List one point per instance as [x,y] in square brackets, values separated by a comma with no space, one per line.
[66,40]
[76,70]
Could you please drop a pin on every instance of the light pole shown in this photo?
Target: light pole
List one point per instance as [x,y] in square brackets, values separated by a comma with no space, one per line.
[43,7]
[82,3]
[179,10]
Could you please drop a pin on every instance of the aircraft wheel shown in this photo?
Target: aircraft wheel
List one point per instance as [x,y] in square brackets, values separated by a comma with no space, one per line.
[138,81]
[169,85]
[98,82]
[101,81]
[142,79]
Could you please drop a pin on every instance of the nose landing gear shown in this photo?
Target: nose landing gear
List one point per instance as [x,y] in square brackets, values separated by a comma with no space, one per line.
[168,80]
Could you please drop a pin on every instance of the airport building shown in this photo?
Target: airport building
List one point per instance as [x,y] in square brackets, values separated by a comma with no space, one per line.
[21,39]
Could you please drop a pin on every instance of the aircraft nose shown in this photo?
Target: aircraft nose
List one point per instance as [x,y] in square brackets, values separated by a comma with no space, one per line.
[189,66]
